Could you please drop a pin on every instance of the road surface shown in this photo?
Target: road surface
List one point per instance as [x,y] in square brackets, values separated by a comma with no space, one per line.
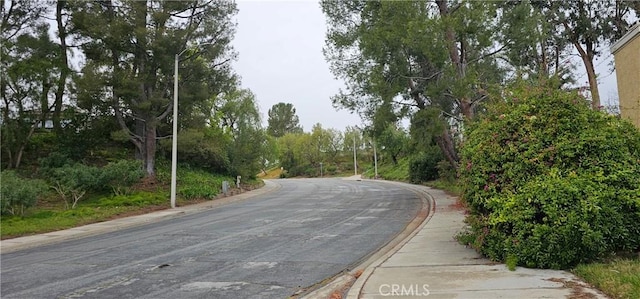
[270,246]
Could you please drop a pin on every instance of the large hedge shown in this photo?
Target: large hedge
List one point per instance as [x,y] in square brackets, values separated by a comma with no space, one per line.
[551,183]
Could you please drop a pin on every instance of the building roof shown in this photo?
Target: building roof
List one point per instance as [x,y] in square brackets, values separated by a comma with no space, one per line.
[633,32]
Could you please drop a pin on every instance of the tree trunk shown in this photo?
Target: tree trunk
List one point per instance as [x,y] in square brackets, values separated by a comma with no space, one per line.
[23,144]
[150,148]
[64,67]
[593,81]
[448,149]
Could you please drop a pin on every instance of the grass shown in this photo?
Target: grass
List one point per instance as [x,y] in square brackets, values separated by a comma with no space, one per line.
[50,215]
[399,172]
[48,220]
[620,278]
[272,173]
[449,186]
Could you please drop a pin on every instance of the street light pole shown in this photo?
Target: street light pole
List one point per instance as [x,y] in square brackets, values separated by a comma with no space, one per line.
[174,144]
[375,159]
[355,163]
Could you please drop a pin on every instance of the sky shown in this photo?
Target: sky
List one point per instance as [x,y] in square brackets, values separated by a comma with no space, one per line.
[279,45]
[280,59]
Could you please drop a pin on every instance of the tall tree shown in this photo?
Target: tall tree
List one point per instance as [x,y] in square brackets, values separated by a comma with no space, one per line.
[240,115]
[27,73]
[413,54]
[61,22]
[535,49]
[589,25]
[131,46]
[282,120]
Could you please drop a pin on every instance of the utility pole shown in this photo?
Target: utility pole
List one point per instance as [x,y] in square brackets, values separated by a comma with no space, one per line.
[375,159]
[355,163]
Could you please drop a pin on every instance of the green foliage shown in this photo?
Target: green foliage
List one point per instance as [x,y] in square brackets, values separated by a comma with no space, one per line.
[202,148]
[446,172]
[138,199]
[194,184]
[283,120]
[331,169]
[121,175]
[54,160]
[391,171]
[512,262]
[550,181]
[424,166]
[46,220]
[71,182]
[618,278]
[19,194]
[393,142]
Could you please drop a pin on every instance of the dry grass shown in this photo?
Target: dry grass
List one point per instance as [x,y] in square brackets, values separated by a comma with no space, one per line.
[619,279]
[271,174]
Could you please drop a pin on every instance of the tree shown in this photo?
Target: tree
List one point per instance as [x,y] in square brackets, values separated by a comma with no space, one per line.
[283,120]
[393,142]
[413,55]
[63,63]
[28,70]
[130,46]
[535,48]
[240,115]
[589,25]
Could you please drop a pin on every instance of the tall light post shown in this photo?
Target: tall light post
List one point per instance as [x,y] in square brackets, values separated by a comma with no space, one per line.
[355,163]
[375,159]
[174,145]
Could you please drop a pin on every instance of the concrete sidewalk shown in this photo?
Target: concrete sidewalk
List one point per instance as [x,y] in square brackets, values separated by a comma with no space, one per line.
[14,244]
[431,264]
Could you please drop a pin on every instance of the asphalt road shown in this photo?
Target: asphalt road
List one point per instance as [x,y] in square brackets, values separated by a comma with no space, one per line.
[270,246]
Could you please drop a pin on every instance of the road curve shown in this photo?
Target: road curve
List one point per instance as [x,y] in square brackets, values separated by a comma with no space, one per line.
[271,246]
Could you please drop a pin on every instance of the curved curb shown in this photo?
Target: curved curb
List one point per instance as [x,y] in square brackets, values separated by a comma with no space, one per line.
[20,243]
[355,279]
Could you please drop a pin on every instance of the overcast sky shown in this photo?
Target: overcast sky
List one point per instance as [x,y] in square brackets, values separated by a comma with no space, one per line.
[280,60]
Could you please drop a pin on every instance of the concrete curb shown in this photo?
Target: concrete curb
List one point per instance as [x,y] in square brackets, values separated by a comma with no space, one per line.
[354,280]
[15,244]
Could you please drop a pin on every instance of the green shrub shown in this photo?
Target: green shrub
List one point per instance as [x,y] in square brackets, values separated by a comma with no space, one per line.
[54,160]
[193,184]
[203,149]
[332,169]
[446,172]
[424,166]
[551,183]
[137,199]
[18,194]
[71,182]
[121,175]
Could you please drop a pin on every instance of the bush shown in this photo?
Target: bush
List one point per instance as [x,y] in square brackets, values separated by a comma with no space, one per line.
[202,149]
[121,175]
[424,166]
[446,172]
[54,160]
[551,183]
[73,181]
[332,169]
[193,184]
[18,194]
